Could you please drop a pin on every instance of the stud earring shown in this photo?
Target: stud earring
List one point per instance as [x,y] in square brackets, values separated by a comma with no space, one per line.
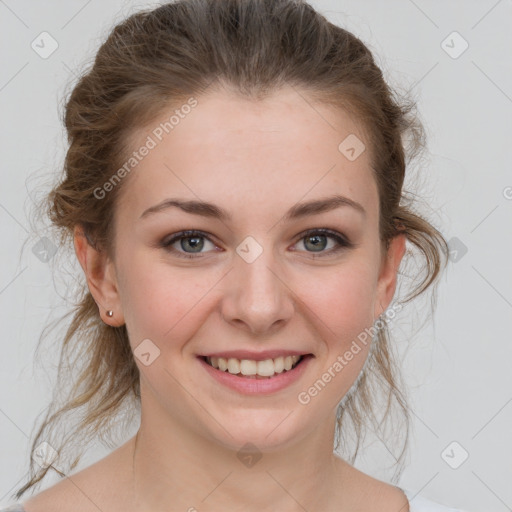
[110,313]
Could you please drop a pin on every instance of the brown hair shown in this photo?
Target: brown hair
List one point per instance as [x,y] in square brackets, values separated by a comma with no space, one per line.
[159,57]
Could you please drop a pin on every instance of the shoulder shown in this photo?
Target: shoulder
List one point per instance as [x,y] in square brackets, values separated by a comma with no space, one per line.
[381,496]
[57,497]
[419,503]
[99,486]
[371,494]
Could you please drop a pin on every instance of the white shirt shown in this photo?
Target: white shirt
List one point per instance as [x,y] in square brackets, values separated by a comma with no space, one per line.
[421,504]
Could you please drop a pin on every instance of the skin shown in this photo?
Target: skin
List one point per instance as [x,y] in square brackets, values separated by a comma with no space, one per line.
[256,160]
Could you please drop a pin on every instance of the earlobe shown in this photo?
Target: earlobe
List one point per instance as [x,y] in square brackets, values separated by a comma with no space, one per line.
[100,276]
[388,273]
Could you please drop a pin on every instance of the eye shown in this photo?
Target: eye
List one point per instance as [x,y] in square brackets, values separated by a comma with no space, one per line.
[187,240]
[189,244]
[317,240]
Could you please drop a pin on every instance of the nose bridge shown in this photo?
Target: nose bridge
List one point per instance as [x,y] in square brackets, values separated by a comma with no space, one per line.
[257,295]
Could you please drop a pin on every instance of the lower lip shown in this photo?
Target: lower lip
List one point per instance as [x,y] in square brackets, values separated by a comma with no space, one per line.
[266,386]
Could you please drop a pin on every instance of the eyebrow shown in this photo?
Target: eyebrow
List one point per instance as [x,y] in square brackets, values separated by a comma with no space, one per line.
[297,211]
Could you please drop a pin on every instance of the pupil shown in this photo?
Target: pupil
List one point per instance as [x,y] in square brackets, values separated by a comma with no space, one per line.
[316,246]
[196,242]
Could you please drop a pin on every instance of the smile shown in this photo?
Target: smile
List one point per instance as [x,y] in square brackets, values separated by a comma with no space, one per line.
[251,377]
[254,369]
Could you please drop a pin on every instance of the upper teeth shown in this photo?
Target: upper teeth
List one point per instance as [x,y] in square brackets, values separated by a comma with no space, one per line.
[265,368]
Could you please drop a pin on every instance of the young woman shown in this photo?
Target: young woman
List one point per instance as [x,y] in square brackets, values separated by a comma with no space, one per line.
[233,190]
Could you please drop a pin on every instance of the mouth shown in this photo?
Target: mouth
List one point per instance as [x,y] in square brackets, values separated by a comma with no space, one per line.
[253,369]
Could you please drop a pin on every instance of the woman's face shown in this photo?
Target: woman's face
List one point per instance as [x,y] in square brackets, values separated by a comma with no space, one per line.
[252,280]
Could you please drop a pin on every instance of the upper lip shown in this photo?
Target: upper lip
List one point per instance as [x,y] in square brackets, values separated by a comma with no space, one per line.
[256,356]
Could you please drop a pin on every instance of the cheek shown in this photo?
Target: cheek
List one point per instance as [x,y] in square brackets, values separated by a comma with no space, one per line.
[344,299]
[160,302]
[341,311]
[346,311]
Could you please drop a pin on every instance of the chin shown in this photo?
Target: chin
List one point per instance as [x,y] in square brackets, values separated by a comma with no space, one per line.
[268,431]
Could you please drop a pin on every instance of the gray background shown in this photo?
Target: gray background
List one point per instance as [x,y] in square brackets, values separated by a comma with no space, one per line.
[457,365]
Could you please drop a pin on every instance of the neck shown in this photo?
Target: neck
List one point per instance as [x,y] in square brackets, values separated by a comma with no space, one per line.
[175,468]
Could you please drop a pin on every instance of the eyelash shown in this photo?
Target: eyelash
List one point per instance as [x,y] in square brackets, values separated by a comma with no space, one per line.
[343,243]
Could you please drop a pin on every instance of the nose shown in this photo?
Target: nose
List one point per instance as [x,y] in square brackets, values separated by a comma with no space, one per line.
[257,296]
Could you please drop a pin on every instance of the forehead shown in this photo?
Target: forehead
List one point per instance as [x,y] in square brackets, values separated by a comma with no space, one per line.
[230,148]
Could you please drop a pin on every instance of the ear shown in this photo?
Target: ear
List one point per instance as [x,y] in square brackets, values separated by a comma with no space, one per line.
[388,273]
[101,278]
